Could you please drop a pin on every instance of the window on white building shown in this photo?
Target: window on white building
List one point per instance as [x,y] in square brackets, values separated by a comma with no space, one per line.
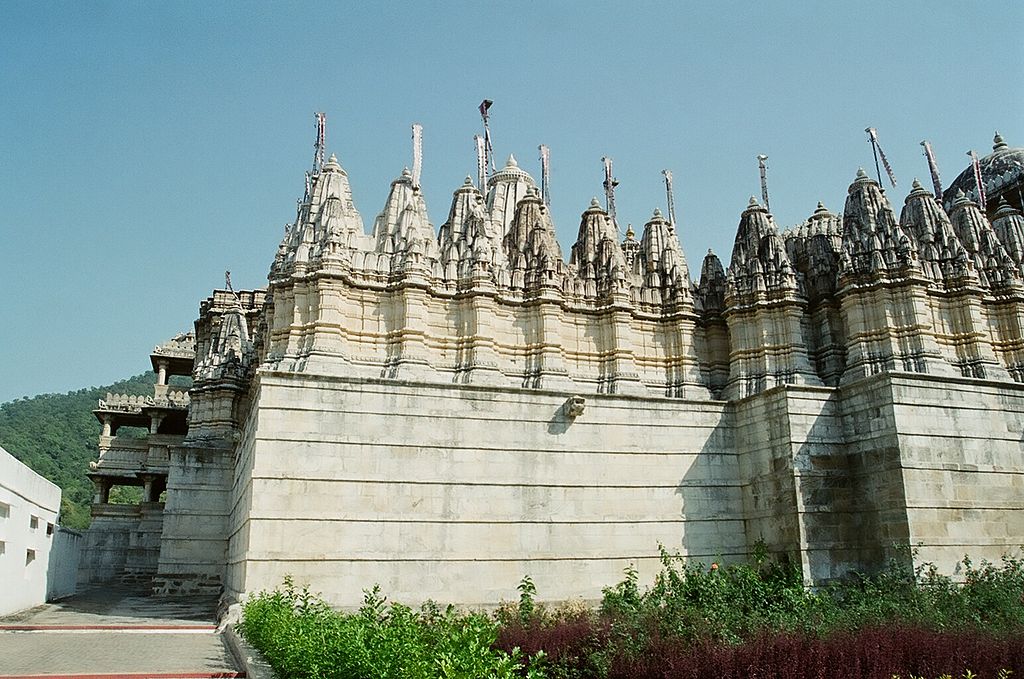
[5,510]
[33,523]
[30,556]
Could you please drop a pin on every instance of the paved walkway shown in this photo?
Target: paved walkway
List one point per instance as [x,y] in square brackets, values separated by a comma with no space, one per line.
[115,632]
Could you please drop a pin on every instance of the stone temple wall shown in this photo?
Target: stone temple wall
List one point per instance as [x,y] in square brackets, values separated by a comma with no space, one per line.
[459,492]
[445,411]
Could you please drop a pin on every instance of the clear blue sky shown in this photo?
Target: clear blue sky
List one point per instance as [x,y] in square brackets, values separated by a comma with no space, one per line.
[147,147]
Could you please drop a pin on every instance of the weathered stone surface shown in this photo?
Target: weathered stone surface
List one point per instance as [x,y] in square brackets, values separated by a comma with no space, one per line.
[393,408]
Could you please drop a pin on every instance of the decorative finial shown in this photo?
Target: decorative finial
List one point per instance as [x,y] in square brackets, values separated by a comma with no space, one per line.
[406,174]
[468,181]
[630,235]
[916,185]
[657,214]
[511,162]
[1005,209]
[998,142]
[753,203]
[861,174]
[594,203]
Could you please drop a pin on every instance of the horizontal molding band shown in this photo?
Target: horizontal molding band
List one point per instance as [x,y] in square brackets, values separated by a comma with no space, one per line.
[555,559]
[595,522]
[495,484]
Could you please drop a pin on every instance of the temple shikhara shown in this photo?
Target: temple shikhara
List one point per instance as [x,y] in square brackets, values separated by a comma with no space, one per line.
[443,410]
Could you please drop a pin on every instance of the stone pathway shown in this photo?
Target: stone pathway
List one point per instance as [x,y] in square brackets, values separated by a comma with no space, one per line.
[116,632]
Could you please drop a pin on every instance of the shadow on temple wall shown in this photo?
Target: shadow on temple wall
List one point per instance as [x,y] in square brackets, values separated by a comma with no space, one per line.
[559,422]
[776,471]
[565,415]
[711,501]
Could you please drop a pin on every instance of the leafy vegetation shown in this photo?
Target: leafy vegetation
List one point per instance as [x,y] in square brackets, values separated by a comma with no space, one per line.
[302,637]
[56,435]
[744,620]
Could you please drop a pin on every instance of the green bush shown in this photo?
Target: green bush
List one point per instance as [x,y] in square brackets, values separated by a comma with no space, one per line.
[691,616]
[300,636]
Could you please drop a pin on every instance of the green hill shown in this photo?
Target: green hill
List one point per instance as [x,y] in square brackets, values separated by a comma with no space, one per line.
[56,434]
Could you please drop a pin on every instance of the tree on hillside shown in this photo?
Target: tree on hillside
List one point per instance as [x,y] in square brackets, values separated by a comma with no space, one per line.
[56,436]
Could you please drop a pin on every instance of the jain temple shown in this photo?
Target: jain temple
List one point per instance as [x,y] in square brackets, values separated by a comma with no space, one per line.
[443,410]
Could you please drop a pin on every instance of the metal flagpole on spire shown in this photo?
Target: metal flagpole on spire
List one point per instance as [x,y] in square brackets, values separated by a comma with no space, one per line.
[977,178]
[545,174]
[321,141]
[485,107]
[609,184]
[877,148]
[417,154]
[933,168]
[668,197]
[762,165]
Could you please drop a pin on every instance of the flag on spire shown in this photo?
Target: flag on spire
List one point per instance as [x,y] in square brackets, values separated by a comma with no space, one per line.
[545,174]
[485,106]
[417,154]
[933,168]
[762,166]
[873,138]
[321,140]
[977,178]
[481,164]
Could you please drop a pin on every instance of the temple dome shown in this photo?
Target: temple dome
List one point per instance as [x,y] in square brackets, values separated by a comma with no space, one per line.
[1002,173]
[511,173]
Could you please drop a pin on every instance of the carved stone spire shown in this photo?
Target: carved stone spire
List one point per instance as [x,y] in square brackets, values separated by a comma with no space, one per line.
[873,241]
[531,248]
[465,244]
[760,263]
[631,249]
[994,265]
[230,349]
[506,188]
[403,227]
[664,266]
[711,289]
[596,255]
[1009,227]
[754,225]
[328,221]
[941,254]
[331,205]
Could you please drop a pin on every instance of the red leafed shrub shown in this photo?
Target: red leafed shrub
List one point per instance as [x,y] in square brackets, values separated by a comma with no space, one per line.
[567,644]
[877,653]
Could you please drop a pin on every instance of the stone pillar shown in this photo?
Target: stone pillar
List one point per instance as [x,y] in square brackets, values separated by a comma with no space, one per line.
[980,343]
[624,376]
[552,372]
[412,354]
[154,422]
[483,359]
[161,375]
[147,488]
[107,430]
[102,495]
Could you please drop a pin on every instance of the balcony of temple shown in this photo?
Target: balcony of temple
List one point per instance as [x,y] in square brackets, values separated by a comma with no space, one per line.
[174,358]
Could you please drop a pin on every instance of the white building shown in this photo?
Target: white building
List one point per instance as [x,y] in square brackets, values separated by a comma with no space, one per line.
[28,516]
